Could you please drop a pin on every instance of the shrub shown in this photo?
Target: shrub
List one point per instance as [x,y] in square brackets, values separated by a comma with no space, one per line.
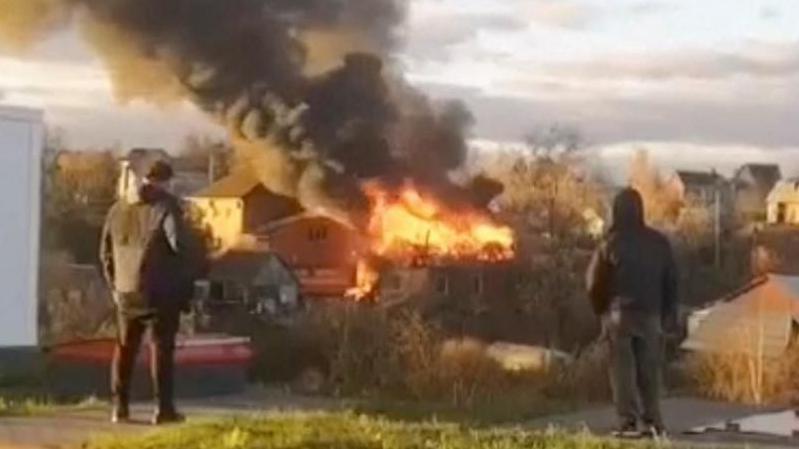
[372,352]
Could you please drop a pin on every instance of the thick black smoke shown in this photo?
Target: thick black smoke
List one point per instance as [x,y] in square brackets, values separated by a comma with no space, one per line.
[313,137]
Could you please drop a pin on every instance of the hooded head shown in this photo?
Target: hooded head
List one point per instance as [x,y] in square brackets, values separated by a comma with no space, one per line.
[628,210]
[156,182]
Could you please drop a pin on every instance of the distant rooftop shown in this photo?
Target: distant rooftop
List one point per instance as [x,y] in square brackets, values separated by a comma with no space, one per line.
[697,178]
[764,175]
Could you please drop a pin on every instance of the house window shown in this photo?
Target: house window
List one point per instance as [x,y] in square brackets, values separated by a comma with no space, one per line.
[317,233]
[442,284]
[477,284]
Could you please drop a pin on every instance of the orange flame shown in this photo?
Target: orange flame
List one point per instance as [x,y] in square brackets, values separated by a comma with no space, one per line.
[408,223]
[366,278]
[408,226]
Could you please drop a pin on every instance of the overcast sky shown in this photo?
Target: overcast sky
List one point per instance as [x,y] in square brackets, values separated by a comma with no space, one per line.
[710,82]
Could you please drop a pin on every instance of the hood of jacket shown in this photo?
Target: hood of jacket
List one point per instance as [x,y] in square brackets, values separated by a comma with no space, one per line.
[628,210]
[151,194]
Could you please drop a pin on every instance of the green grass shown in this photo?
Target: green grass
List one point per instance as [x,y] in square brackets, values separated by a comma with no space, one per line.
[507,409]
[348,431]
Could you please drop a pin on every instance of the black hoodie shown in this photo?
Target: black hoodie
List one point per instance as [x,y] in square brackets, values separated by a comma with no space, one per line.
[143,249]
[634,268]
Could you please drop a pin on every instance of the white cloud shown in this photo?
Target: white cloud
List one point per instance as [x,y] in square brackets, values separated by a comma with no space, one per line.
[756,60]
[559,13]
[77,97]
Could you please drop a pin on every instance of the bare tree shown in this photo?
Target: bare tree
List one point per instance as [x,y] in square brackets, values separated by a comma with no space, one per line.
[552,201]
[554,141]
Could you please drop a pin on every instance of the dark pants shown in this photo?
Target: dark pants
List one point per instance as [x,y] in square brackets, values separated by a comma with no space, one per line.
[162,326]
[636,350]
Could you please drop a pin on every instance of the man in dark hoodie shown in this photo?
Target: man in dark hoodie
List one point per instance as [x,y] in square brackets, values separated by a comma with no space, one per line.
[144,260]
[632,284]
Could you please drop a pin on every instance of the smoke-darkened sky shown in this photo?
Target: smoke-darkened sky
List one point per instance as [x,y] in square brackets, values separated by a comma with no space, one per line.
[713,74]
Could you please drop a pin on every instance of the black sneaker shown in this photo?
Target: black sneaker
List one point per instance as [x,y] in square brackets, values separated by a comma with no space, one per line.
[626,431]
[167,417]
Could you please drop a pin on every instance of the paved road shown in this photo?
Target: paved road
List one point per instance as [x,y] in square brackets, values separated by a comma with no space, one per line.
[681,415]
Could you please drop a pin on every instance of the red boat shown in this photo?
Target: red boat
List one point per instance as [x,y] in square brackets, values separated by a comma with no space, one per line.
[204,366]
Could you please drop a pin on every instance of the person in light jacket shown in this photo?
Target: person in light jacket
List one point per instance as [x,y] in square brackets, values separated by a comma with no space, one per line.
[144,259]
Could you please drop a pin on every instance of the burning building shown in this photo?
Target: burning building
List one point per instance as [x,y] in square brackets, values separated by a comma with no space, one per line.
[409,229]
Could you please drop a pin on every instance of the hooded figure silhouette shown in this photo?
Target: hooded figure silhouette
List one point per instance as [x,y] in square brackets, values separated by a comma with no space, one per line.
[632,284]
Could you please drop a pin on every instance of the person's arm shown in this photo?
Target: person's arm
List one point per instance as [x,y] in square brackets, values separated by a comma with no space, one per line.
[107,250]
[174,229]
[670,291]
[171,232]
[598,280]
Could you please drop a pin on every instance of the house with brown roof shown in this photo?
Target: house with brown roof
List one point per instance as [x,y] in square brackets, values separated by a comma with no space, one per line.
[698,189]
[238,213]
[236,206]
[323,252]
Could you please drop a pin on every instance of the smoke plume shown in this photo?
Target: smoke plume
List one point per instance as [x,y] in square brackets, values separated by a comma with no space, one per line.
[304,86]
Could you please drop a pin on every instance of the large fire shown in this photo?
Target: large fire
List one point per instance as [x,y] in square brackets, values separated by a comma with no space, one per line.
[409,227]
[409,224]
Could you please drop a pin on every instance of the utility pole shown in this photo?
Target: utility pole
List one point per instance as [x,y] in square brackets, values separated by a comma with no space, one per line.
[211,167]
[717,221]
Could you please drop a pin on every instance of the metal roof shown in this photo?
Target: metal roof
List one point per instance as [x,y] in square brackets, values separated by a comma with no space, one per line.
[758,320]
[244,266]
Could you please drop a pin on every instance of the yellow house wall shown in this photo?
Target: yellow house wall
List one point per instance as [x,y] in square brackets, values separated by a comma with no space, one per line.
[224,217]
[791,213]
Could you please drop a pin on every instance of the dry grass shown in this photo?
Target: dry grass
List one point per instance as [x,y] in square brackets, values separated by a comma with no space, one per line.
[586,379]
[373,353]
[402,359]
[746,378]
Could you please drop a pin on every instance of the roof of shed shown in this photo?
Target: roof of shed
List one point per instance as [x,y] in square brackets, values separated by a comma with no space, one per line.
[757,319]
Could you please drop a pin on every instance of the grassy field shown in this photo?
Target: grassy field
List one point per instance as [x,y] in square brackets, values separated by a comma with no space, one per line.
[348,431]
